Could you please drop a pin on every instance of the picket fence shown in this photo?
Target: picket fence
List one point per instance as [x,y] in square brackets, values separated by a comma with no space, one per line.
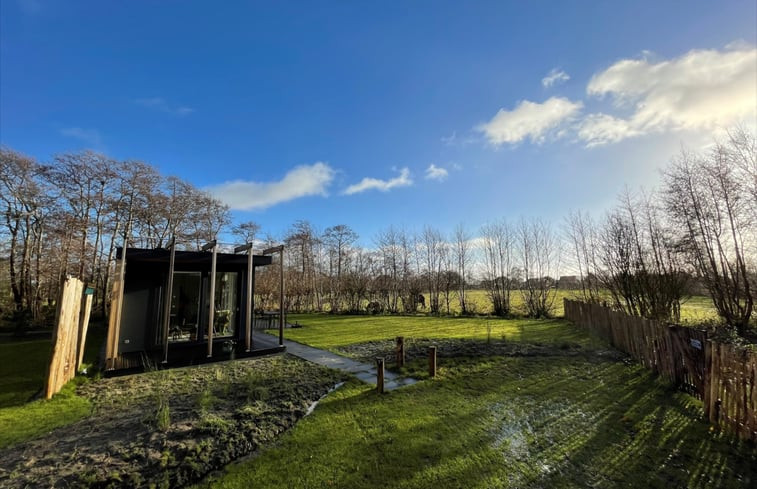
[722,375]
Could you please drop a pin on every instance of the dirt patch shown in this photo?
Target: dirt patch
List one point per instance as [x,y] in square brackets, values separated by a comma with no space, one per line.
[170,428]
[416,348]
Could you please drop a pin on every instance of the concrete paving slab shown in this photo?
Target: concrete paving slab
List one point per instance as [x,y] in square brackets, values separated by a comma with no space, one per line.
[363,371]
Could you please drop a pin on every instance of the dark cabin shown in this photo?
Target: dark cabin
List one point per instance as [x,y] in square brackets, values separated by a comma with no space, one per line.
[147,331]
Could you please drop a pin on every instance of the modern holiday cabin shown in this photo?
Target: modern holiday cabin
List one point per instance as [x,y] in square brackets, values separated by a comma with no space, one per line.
[161,308]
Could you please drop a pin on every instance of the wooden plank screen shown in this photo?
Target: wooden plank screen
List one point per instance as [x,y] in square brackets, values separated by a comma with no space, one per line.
[66,336]
[721,375]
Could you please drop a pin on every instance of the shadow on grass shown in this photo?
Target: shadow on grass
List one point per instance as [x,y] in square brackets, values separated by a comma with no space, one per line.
[506,422]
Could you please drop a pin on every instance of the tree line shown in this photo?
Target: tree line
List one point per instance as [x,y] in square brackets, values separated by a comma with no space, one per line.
[644,256]
[67,217]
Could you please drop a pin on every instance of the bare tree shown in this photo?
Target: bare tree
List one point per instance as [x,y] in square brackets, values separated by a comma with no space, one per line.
[497,246]
[338,240]
[463,256]
[642,267]
[432,256]
[22,196]
[581,234]
[712,196]
[388,282]
[246,231]
[539,257]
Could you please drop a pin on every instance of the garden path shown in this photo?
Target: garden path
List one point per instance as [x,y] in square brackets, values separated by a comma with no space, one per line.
[363,371]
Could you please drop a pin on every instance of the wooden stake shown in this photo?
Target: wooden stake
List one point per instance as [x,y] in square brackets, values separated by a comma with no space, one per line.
[83,326]
[432,361]
[380,375]
[400,353]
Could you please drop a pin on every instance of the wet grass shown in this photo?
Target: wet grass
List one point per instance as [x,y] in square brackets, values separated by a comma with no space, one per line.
[505,423]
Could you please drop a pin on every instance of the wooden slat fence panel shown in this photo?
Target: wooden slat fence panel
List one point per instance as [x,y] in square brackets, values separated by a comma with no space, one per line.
[66,343]
[722,375]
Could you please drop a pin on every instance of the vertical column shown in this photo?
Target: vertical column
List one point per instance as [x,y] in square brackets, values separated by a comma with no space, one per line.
[168,298]
[248,310]
[211,294]
[281,299]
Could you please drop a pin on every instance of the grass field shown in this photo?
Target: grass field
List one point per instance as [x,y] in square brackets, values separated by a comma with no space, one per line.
[327,331]
[694,309]
[500,422]
[22,376]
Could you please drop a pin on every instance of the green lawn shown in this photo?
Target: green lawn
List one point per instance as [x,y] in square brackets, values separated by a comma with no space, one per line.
[331,331]
[22,376]
[497,422]
[504,423]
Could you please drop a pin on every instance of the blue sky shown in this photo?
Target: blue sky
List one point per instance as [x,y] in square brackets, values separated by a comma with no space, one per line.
[378,113]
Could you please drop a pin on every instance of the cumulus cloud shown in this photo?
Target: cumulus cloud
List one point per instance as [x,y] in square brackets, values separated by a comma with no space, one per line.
[402,180]
[598,129]
[88,136]
[529,120]
[554,77]
[302,181]
[158,103]
[434,172]
[702,89]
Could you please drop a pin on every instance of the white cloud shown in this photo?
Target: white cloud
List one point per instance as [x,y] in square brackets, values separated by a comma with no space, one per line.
[554,77]
[301,181]
[88,136]
[703,89]
[403,180]
[434,172]
[598,129]
[529,120]
[158,103]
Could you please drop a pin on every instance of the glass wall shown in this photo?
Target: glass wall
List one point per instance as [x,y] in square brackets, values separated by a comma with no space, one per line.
[226,306]
[185,306]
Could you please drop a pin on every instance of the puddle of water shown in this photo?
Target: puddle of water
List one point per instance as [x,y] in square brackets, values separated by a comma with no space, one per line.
[312,406]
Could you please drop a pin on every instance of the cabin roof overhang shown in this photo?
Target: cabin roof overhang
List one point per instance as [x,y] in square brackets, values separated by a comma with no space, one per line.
[189,258]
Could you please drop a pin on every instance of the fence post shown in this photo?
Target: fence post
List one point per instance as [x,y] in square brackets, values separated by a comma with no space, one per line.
[400,352]
[432,361]
[380,375]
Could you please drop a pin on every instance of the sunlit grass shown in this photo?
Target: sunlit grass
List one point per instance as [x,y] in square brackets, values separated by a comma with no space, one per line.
[22,376]
[506,423]
[332,331]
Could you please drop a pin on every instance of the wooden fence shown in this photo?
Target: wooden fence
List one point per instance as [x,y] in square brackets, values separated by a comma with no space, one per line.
[723,376]
[69,335]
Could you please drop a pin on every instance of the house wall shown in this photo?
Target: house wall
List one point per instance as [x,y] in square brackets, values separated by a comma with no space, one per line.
[139,310]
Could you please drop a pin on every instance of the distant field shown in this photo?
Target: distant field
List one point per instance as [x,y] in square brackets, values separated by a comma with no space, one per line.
[695,309]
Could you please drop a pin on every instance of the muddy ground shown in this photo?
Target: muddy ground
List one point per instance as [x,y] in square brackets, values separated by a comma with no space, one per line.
[170,428]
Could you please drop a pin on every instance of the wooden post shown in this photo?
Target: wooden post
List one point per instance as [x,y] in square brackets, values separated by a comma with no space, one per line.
[115,322]
[84,325]
[380,375]
[432,361]
[168,299]
[400,352]
[212,296]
